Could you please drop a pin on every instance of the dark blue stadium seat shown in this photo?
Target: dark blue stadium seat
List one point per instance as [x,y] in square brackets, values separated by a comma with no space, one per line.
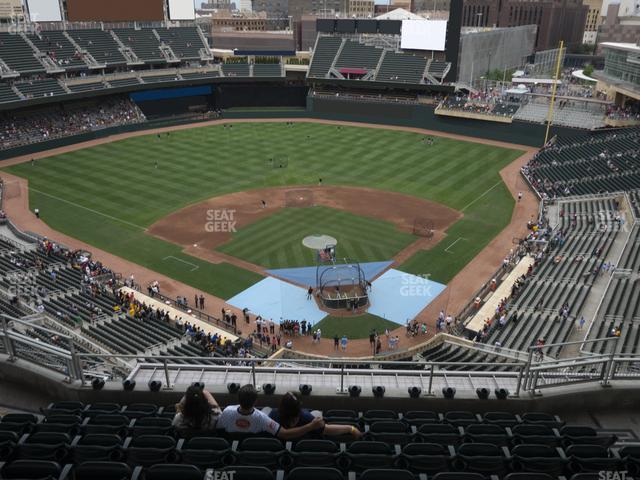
[362,455]
[592,458]
[315,473]
[97,447]
[538,459]
[34,470]
[481,458]
[172,472]
[429,458]
[443,434]
[249,473]
[102,471]
[315,453]
[261,452]
[147,450]
[206,452]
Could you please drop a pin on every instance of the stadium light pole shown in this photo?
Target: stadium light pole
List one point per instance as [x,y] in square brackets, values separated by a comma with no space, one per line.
[553,93]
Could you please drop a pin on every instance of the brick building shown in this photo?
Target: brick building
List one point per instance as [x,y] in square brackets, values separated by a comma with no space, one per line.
[555,19]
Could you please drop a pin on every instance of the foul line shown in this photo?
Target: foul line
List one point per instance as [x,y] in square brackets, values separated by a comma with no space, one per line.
[456,241]
[88,209]
[195,267]
[474,201]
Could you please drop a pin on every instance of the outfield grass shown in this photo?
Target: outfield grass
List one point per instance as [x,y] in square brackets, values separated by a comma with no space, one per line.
[353,327]
[280,237]
[107,195]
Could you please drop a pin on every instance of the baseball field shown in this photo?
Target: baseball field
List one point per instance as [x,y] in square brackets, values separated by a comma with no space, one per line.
[111,194]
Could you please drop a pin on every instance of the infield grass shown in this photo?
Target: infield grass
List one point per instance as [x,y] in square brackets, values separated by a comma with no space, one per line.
[280,237]
[353,327]
[109,194]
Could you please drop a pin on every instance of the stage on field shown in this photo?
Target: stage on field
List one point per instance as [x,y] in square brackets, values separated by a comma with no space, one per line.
[275,300]
[399,296]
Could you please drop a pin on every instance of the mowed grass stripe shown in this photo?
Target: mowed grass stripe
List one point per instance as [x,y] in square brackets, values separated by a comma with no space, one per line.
[276,241]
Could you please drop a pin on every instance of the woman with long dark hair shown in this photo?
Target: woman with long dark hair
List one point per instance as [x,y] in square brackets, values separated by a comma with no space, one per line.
[290,414]
[197,411]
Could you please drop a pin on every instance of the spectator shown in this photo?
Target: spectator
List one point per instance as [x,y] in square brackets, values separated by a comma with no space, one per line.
[197,411]
[290,414]
[244,418]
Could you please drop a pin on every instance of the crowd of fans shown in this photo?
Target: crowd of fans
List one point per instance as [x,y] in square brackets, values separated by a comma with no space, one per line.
[487,103]
[630,112]
[63,122]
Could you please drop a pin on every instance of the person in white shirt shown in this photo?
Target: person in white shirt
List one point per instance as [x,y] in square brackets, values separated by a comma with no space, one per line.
[244,418]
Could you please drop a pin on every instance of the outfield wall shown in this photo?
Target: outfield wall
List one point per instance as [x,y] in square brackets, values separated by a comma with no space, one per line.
[280,101]
[423,116]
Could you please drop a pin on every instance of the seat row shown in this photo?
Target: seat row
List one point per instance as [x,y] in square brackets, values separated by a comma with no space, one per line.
[358,456]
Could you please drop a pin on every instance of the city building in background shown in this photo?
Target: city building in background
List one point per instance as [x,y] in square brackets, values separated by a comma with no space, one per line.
[621,23]
[361,8]
[11,10]
[555,19]
[594,19]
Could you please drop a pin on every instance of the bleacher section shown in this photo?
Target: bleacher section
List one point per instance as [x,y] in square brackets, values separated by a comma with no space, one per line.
[267,70]
[40,88]
[59,48]
[605,162]
[355,55]
[86,87]
[100,44]
[108,440]
[130,336]
[574,116]
[18,54]
[184,41]
[195,75]
[494,107]
[564,276]
[438,69]
[621,306]
[236,69]
[402,68]
[124,82]
[449,352]
[634,198]
[160,78]
[143,42]
[326,50]
[7,94]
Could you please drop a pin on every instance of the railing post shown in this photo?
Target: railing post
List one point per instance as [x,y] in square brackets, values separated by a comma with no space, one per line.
[519,384]
[342,378]
[75,363]
[429,392]
[608,372]
[527,370]
[8,346]
[253,373]
[166,373]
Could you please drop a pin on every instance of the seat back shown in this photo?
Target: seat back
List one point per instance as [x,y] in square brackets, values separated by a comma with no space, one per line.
[102,471]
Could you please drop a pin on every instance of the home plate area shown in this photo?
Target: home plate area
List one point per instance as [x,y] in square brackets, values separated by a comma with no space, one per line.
[396,296]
